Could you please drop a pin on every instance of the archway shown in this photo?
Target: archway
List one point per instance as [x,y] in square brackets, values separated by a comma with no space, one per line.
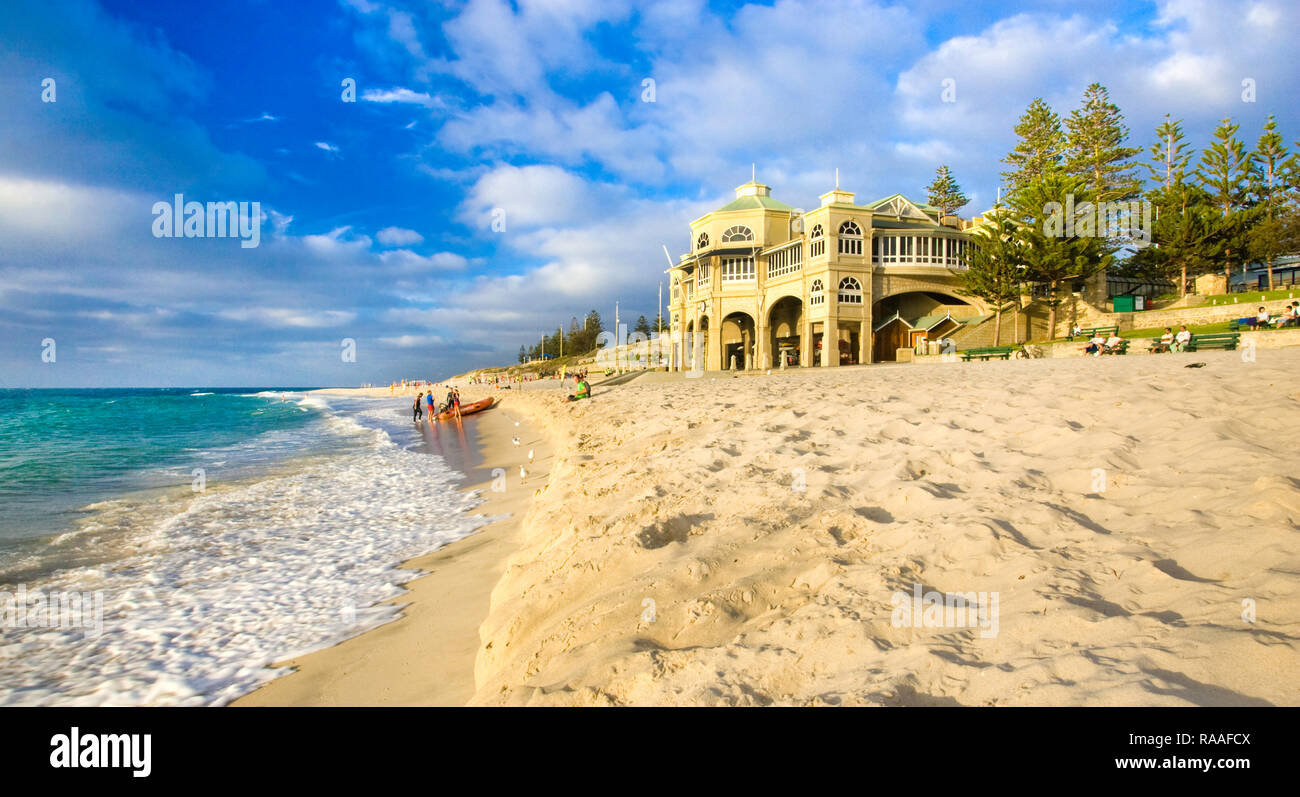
[687,354]
[738,341]
[901,319]
[785,320]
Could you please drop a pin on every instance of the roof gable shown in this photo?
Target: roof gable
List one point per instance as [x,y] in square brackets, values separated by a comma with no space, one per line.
[900,206]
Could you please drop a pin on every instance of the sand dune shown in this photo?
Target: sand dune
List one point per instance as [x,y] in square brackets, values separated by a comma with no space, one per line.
[1123,512]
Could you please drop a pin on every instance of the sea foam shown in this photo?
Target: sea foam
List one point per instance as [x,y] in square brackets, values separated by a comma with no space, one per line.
[209,596]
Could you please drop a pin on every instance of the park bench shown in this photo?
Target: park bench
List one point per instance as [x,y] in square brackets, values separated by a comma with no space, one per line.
[988,353]
[1086,334]
[1120,348]
[1217,340]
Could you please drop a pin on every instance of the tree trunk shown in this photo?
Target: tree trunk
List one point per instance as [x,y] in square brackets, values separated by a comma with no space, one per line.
[1182,285]
[1270,272]
[997,326]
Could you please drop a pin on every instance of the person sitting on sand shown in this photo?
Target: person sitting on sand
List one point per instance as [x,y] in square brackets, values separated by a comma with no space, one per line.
[584,391]
[1182,339]
[416,410]
[1095,345]
[1165,343]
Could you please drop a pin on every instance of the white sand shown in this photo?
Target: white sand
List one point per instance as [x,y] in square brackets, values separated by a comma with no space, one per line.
[965,477]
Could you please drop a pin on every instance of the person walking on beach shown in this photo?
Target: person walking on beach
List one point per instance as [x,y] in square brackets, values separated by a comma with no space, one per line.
[416,409]
[428,400]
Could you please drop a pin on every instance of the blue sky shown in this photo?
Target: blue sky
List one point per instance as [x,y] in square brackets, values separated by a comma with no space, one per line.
[377,214]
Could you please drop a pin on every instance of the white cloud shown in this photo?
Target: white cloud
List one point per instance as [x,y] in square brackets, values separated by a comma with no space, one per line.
[336,243]
[286,317]
[534,196]
[325,145]
[403,96]
[398,236]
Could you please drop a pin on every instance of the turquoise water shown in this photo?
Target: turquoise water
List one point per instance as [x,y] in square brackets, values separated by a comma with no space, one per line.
[213,531]
[62,450]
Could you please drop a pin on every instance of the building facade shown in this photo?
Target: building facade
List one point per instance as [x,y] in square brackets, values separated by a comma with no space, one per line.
[766,285]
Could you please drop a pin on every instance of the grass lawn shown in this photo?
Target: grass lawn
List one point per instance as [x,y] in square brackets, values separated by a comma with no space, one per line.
[1251,297]
[1155,332]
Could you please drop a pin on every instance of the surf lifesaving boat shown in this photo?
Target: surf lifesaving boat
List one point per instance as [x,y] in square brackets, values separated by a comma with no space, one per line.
[468,409]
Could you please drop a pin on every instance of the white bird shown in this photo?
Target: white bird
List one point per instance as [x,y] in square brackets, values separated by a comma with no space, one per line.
[515,440]
[523,474]
[530,456]
[516,423]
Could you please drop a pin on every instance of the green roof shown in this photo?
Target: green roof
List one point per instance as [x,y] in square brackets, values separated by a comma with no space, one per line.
[929,321]
[754,203]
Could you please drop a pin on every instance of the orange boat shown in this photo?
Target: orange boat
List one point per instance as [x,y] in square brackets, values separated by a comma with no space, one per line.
[468,409]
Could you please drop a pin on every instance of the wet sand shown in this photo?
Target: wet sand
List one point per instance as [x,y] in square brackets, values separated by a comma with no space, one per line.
[426,657]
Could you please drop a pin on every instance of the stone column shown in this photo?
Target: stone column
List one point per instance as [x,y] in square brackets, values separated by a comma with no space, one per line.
[829,343]
[806,343]
[764,357]
[864,342]
[714,354]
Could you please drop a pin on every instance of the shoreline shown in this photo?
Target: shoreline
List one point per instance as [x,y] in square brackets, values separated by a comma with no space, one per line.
[426,656]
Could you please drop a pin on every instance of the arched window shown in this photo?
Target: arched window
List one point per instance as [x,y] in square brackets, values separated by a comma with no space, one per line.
[737,233]
[818,244]
[850,291]
[703,242]
[850,238]
[817,294]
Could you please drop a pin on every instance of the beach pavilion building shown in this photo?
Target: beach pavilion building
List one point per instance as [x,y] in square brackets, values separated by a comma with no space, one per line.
[766,285]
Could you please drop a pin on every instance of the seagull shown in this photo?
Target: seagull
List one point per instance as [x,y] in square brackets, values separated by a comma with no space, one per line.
[515,440]
[516,423]
[523,474]
[530,456]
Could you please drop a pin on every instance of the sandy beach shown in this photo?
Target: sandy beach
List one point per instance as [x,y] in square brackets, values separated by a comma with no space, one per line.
[1128,527]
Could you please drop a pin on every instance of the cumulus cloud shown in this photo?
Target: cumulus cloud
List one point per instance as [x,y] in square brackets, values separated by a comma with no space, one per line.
[398,236]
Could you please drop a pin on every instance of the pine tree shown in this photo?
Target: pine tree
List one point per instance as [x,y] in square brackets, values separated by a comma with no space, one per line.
[1269,163]
[523,354]
[1186,236]
[945,194]
[996,266]
[642,326]
[592,327]
[1224,173]
[1170,154]
[1040,149]
[1182,228]
[1095,150]
[1054,256]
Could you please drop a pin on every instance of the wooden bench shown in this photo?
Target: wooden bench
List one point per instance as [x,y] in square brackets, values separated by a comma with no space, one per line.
[1217,340]
[1120,348]
[988,353]
[1091,332]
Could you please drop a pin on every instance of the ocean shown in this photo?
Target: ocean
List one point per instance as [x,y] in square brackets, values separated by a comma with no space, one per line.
[165,546]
